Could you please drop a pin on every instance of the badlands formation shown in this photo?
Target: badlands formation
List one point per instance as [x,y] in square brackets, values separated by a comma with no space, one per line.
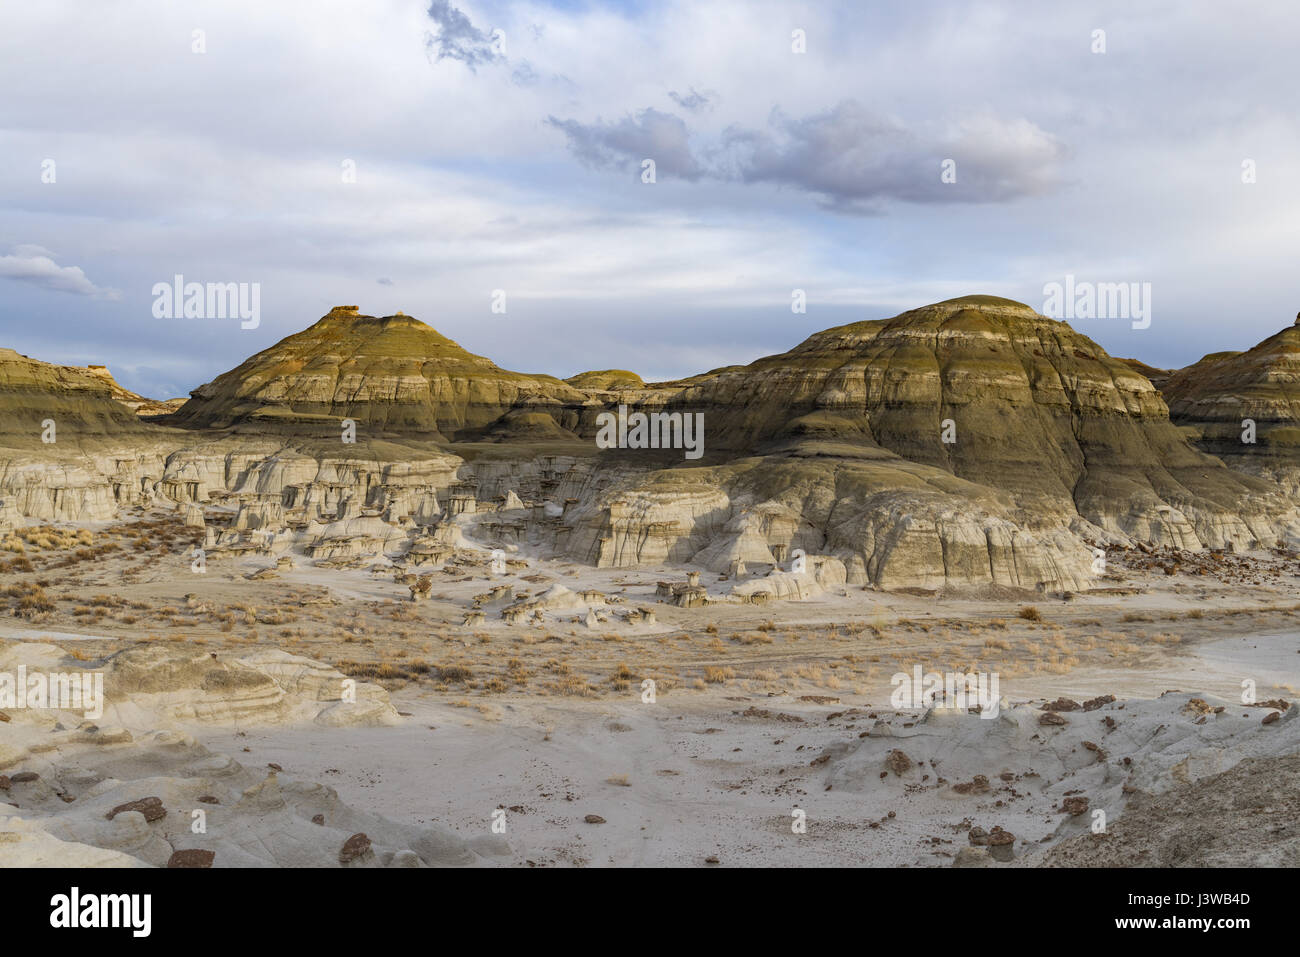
[348,588]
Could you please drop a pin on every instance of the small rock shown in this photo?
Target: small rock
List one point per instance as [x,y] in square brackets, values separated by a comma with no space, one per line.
[318,819]
[594,819]
[898,762]
[209,799]
[22,777]
[977,785]
[151,807]
[1074,806]
[354,848]
[978,836]
[1051,718]
[1271,717]
[711,859]
[1000,844]
[191,857]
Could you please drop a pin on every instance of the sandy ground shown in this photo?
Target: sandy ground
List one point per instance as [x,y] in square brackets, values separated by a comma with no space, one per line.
[678,781]
[760,712]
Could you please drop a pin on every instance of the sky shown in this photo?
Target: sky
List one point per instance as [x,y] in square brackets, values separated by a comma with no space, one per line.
[426,157]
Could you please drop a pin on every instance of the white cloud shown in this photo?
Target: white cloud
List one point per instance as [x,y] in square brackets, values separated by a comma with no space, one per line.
[33,264]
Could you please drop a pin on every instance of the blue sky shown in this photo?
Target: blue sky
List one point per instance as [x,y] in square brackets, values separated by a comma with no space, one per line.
[499,146]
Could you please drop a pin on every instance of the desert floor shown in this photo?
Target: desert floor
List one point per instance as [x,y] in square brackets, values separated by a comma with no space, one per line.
[759,711]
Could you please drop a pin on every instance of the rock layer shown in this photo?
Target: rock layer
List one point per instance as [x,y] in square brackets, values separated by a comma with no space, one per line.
[394,374]
[1214,397]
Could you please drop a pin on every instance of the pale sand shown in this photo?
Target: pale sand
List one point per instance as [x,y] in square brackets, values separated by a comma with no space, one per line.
[702,779]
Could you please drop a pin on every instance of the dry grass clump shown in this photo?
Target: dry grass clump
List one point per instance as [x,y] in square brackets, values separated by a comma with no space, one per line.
[573,686]
[391,673]
[516,671]
[454,674]
[1029,613]
[28,600]
[717,675]
[48,537]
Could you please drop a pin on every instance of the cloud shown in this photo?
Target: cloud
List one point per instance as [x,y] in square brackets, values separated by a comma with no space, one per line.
[649,134]
[1153,148]
[853,159]
[1006,159]
[524,74]
[28,249]
[459,39]
[856,160]
[33,264]
[385,281]
[694,100]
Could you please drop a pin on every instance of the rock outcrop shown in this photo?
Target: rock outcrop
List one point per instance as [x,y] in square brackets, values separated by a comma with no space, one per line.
[79,402]
[607,380]
[989,391]
[389,374]
[971,444]
[1214,398]
[264,687]
[137,403]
